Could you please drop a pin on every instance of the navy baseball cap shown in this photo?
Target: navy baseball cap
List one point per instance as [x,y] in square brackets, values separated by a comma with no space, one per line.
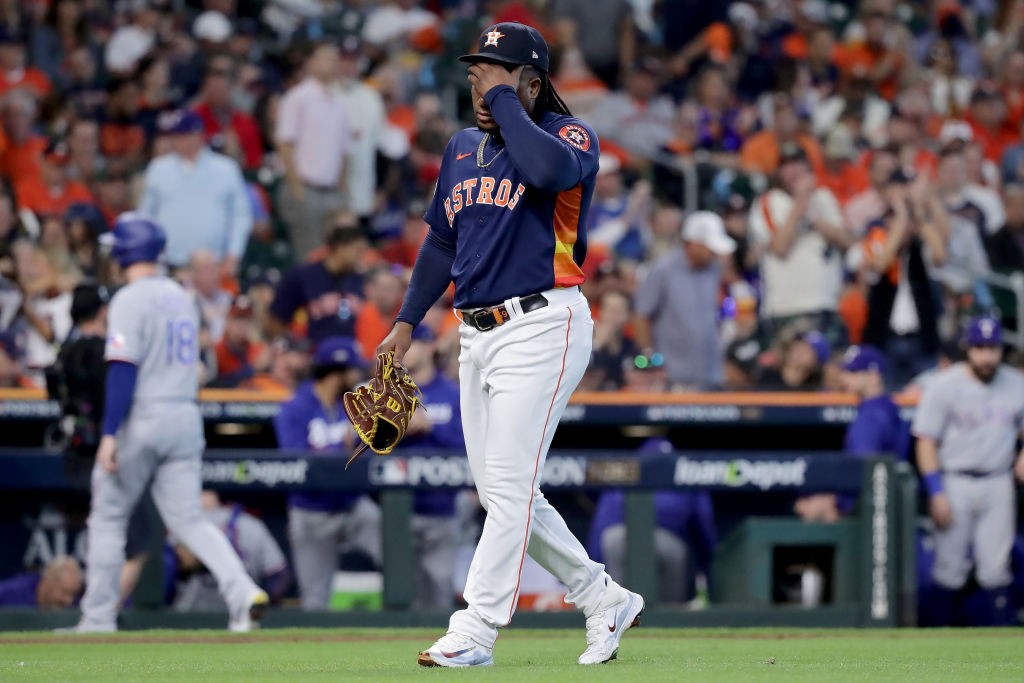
[338,352]
[180,122]
[511,43]
[985,331]
[863,359]
[822,349]
[87,300]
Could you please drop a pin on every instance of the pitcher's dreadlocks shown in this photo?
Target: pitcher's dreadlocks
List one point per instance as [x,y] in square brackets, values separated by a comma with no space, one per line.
[547,98]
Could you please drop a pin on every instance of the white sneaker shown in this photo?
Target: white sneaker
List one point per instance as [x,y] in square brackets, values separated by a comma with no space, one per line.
[457,651]
[607,624]
[87,627]
[247,616]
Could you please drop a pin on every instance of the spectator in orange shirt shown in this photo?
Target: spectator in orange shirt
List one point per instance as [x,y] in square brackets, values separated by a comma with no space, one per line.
[760,152]
[872,58]
[21,156]
[239,355]
[842,173]
[1012,87]
[404,250]
[122,135]
[987,118]
[13,72]
[384,292]
[51,193]
[290,360]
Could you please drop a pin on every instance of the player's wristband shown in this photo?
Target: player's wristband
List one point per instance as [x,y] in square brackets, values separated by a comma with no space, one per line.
[933,483]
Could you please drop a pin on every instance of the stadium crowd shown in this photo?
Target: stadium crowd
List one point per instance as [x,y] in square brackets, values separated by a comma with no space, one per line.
[779,180]
[860,163]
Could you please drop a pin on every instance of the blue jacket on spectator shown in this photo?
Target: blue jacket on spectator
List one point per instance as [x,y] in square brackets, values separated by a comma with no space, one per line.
[204,205]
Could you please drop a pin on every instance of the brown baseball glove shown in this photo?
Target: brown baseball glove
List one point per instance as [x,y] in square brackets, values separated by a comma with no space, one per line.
[381,409]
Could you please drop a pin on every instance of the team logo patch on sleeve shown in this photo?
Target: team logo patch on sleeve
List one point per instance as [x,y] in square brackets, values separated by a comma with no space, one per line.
[577,136]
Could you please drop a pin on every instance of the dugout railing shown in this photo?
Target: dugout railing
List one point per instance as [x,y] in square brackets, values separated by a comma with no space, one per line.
[883,571]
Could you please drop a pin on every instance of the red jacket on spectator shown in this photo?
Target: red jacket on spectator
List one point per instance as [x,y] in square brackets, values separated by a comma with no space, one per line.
[243,126]
[41,200]
[21,162]
[30,78]
[993,142]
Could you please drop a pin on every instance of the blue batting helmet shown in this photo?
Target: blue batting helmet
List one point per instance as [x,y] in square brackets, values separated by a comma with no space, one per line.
[135,239]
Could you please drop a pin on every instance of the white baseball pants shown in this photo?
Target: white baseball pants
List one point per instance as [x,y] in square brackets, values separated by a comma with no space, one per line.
[516,380]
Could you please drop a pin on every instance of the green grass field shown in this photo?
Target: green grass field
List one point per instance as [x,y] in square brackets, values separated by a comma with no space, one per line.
[521,655]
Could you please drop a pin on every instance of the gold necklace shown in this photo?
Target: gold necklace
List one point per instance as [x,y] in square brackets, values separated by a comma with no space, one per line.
[480,152]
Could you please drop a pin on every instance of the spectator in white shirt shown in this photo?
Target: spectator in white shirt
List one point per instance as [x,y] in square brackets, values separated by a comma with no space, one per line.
[639,118]
[367,130]
[799,230]
[313,136]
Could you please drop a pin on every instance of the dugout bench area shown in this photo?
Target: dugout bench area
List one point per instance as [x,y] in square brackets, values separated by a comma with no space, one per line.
[871,572]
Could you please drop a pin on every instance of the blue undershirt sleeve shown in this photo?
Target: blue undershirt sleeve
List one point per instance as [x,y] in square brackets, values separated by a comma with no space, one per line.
[546,161]
[431,275]
[121,379]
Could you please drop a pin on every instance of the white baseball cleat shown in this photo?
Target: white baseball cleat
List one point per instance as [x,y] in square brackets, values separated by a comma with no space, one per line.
[247,616]
[456,651]
[87,627]
[607,624]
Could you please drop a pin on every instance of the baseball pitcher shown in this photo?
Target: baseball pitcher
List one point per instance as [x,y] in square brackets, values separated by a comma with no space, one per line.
[506,224]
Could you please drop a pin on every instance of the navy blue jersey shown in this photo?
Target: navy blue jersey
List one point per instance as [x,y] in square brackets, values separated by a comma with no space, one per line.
[303,425]
[441,400]
[517,226]
[331,301]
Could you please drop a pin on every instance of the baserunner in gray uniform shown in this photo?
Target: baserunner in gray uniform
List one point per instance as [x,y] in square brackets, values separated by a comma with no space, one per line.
[967,424]
[153,433]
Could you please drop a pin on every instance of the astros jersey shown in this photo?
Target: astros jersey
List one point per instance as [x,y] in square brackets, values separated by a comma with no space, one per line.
[976,424]
[511,239]
[154,324]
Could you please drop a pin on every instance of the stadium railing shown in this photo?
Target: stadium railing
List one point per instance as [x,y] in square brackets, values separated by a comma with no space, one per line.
[597,408]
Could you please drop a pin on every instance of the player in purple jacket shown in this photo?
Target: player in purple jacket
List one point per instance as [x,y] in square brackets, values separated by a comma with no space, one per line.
[684,536]
[506,226]
[437,427]
[320,524]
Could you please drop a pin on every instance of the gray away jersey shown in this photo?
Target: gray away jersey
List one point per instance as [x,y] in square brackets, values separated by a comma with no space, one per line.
[154,324]
[975,424]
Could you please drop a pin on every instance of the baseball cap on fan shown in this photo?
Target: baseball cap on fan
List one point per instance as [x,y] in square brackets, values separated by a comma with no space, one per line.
[511,43]
[707,228]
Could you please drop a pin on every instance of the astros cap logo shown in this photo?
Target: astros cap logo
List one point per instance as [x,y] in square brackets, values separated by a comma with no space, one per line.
[492,37]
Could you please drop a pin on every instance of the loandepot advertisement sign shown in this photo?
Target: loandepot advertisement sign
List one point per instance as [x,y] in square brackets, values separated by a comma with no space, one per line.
[269,473]
[762,474]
